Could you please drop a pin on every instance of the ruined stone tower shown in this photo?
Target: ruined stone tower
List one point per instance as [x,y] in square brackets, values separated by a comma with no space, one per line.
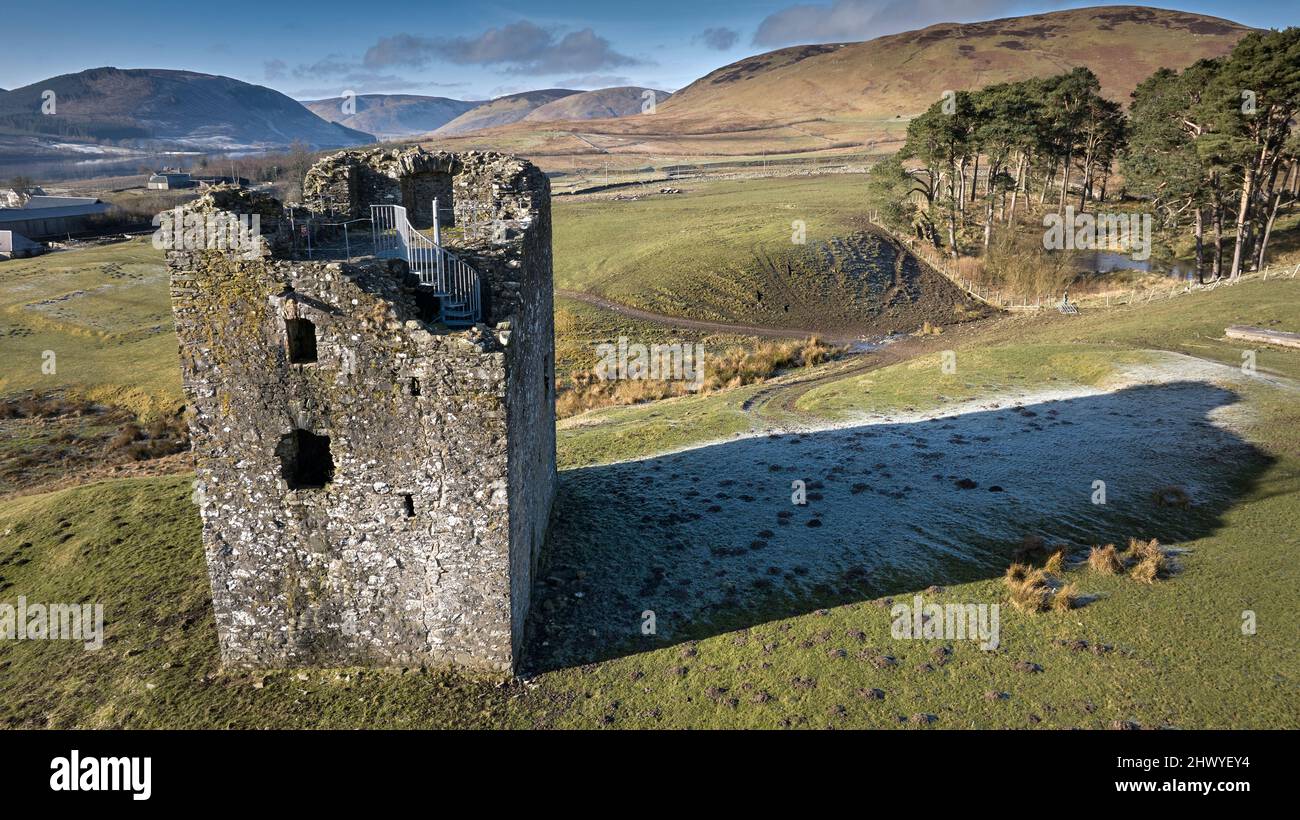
[375,481]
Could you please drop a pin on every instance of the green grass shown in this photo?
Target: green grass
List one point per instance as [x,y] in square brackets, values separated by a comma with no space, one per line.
[134,545]
[1169,640]
[105,314]
[621,433]
[921,384]
[697,254]
[1193,324]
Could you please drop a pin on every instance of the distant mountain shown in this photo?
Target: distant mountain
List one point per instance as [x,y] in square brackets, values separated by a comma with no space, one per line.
[603,103]
[181,108]
[389,116]
[503,111]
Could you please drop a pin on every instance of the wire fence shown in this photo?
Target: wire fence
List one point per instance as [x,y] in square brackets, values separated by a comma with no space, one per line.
[330,238]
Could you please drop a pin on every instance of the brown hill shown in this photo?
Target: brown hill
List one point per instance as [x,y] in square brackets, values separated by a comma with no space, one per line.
[901,74]
[856,95]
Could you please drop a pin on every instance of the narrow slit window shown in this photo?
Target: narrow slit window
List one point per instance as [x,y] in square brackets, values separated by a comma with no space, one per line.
[408,504]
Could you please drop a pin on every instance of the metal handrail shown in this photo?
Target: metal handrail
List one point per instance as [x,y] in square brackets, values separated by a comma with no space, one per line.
[454,281]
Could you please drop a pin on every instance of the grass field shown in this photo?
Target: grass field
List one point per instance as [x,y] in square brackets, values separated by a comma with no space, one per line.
[803,649]
[105,315]
[703,253]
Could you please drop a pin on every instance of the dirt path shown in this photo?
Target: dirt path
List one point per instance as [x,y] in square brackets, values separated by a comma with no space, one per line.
[783,395]
[700,324]
[789,392]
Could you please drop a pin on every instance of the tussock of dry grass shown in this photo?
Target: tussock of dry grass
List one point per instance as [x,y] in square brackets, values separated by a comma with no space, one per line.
[1150,561]
[1105,560]
[1056,562]
[733,367]
[1036,589]
[1148,570]
[1066,598]
[1028,588]
[1142,550]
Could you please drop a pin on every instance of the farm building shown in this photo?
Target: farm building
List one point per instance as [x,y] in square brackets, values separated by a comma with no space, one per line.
[170,180]
[17,246]
[41,216]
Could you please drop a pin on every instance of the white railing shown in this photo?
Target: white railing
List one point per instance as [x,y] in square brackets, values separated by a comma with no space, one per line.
[455,283]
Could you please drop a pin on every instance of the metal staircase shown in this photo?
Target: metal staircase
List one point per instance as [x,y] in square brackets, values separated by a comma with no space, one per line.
[454,283]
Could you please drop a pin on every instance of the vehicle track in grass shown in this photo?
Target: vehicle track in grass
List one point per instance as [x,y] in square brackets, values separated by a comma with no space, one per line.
[781,396]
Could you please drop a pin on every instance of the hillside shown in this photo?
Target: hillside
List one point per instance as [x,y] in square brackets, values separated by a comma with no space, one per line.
[182,108]
[503,111]
[860,95]
[721,251]
[899,75]
[603,103]
[393,115]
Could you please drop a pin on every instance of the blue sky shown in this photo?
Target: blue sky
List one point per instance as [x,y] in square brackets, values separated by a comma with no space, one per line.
[476,51]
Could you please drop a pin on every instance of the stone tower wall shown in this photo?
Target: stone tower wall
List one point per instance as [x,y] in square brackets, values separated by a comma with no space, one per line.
[420,546]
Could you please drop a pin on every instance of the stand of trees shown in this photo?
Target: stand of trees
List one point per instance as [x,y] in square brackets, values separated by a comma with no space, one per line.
[977,156]
[1214,145]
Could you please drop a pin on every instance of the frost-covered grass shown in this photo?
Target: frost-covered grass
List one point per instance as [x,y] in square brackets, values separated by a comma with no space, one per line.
[715,535]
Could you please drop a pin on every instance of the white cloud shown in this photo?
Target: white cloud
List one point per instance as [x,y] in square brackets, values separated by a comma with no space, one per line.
[522,47]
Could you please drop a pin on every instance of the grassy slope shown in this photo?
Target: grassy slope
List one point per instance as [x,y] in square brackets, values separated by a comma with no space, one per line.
[696,254]
[580,327]
[106,315]
[134,546]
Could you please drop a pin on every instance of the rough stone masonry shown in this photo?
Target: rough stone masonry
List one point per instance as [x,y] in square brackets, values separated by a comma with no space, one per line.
[375,487]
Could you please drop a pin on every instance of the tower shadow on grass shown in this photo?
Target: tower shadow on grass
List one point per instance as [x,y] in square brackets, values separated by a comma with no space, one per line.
[709,539]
